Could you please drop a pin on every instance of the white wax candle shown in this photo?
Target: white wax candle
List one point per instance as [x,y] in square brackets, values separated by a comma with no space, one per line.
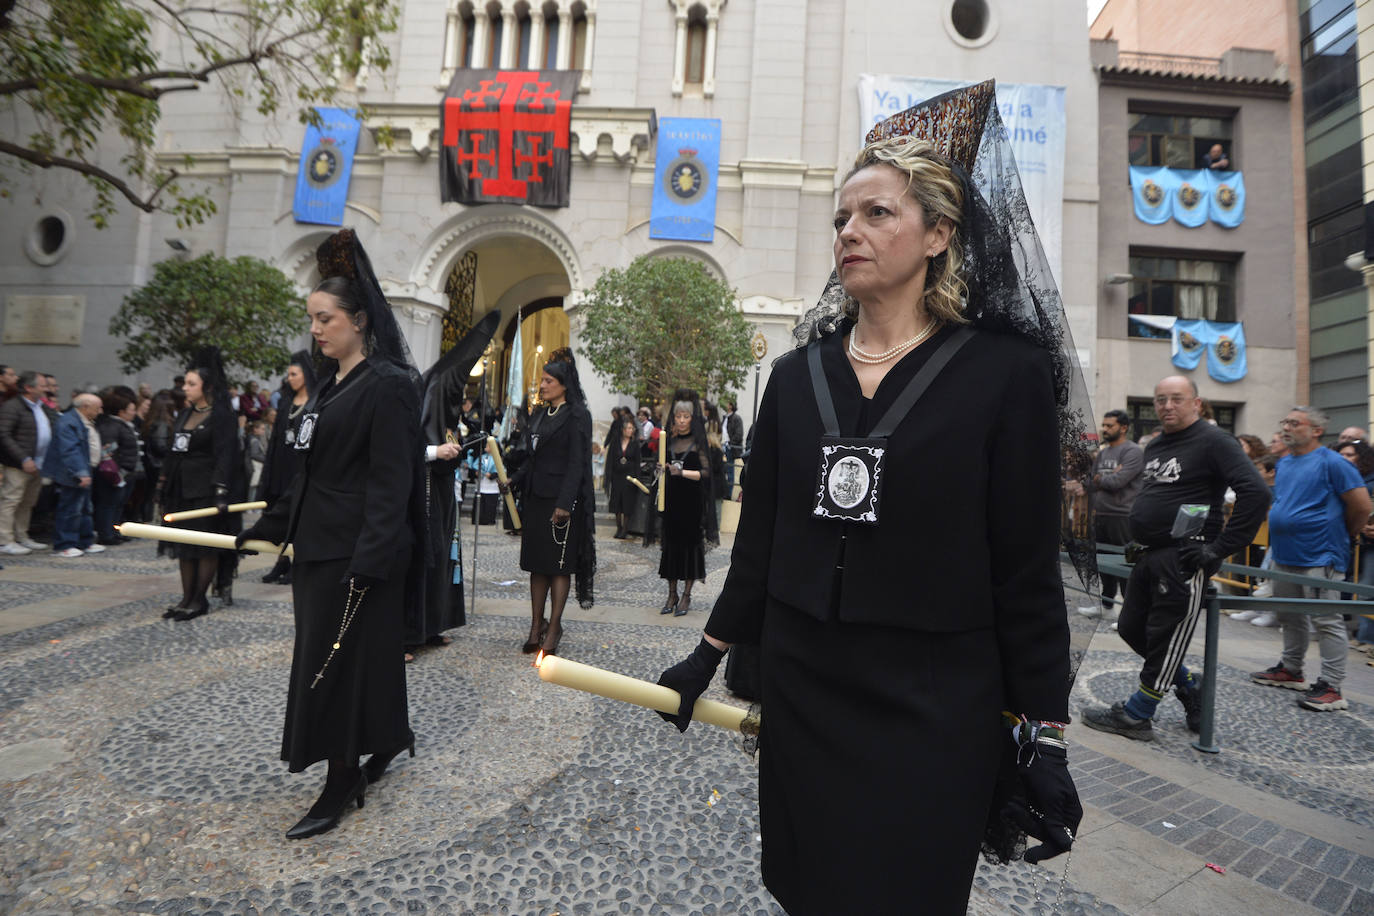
[212,510]
[559,670]
[494,449]
[198,538]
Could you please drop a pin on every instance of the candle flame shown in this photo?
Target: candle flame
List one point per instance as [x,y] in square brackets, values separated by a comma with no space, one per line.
[167,518]
[539,659]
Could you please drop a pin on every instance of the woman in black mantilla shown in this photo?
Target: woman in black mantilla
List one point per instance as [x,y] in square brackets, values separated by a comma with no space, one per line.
[622,461]
[202,468]
[556,483]
[279,468]
[351,517]
[683,537]
[897,622]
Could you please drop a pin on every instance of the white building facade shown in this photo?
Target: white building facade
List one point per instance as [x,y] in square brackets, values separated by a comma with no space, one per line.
[781,75]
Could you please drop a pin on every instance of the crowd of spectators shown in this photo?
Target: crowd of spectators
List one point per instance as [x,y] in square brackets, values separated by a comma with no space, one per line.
[1318,525]
[74,471]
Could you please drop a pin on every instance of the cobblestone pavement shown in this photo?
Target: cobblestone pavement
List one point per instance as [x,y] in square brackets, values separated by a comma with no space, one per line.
[139,771]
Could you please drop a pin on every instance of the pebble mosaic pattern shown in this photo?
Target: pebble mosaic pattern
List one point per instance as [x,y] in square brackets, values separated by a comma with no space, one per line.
[523,797]
[1324,761]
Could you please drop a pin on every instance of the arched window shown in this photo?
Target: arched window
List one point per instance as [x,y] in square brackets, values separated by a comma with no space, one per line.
[522,37]
[495,28]
[548,54]
[578,58]
[467,22]
[696,48]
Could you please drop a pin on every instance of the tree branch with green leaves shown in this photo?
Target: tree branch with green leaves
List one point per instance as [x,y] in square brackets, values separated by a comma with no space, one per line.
[245,306]
[662,324]
[83,81]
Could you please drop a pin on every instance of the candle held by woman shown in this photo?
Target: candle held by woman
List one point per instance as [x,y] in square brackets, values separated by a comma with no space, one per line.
[556,669]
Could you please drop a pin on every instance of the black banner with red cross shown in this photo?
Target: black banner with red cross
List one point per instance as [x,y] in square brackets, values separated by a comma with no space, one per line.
[504,136]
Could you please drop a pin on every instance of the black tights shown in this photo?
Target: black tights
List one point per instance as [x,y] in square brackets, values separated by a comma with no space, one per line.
[342,779]
[197,573]
[541,584]
[672,590]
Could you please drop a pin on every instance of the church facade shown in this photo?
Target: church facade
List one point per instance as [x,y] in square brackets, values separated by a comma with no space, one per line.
[782,77]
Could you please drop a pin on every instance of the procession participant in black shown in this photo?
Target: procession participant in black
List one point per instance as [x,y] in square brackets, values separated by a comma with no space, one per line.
[202,468]
[279,468]
[683,555]
[352,518]
[438,605]
[556,483]
[1191,463]
[622,461]
[897,560]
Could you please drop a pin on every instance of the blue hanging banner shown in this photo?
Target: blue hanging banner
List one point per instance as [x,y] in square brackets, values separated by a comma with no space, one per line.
[326,166]
[1226,202]
[1152,189]
[1190,339]
[1226,351]
[686,165]
[1190,196]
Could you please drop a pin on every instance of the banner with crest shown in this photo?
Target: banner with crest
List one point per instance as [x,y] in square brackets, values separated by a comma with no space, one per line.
[686,164]
[504,137]
[1226,198]
[1190,338]
[1190,196]
[1152,190]
[326,167]
[1226,351]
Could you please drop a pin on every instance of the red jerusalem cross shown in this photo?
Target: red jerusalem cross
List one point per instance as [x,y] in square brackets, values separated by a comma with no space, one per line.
[492,107]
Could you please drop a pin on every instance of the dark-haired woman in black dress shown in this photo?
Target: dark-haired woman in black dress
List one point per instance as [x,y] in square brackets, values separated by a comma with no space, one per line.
[556,483]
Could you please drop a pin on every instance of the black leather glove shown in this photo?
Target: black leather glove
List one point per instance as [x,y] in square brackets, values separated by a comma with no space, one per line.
[222,500]
[690,677]
[1052,811]
[1195,555]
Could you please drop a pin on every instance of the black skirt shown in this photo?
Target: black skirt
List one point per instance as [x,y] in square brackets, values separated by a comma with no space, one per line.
[539,552]
[359,705]
[877,763]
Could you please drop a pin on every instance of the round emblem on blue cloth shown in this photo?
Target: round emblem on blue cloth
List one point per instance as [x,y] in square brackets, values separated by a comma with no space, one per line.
[322,166]
[685,179]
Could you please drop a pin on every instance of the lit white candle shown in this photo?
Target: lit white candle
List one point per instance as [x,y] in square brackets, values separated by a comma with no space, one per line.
[567,673]
[198,538]
[494,449]
[662,467]
[212,510]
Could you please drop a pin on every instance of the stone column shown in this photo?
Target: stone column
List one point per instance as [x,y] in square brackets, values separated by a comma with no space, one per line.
[536,61]
[510,39]
[680,52]
[708,70]
[564,39]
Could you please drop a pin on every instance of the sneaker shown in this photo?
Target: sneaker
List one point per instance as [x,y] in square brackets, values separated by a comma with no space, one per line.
[71,553]
[1112,627]
[95,548]
[1119,722]
[1279,676]
[15,550]
[1243,616]
[1266,619]
[1091,611]
[32,544]
[1191,699]
[1323,696]
[1264,590]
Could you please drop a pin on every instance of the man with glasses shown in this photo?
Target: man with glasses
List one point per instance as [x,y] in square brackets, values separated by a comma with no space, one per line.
[1352,434]
[1188,464]
[1320,503]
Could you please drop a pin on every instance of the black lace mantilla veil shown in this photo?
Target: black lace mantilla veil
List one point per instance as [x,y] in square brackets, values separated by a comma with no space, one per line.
[1012,291]
[1010,287]
[342,255]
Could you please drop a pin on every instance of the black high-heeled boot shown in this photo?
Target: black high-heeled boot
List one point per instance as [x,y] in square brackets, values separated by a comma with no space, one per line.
[340,790]
[376,765]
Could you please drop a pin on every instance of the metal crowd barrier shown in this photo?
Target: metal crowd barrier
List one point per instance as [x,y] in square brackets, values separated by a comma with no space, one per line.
[1111,562]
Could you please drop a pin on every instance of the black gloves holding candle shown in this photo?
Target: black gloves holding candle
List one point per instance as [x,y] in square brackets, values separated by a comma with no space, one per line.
[690,677]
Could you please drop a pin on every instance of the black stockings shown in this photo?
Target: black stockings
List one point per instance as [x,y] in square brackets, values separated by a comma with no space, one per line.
[542,586]
[197,574]
[338,785]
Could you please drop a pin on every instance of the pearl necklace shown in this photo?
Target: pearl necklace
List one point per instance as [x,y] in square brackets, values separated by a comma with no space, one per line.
[874,359]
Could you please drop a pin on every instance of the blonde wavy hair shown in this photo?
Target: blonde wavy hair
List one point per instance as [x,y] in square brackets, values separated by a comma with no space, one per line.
[931,182]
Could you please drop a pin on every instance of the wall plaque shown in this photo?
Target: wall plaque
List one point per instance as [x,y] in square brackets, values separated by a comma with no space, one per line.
[44,320]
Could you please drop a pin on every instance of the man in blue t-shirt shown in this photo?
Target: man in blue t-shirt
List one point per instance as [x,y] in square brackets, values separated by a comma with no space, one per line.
[1320,503]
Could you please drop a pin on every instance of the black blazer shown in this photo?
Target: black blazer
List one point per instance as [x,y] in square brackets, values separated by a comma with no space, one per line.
[969,520]
[560,455]
[351,495]
[631,456]
[210,460]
